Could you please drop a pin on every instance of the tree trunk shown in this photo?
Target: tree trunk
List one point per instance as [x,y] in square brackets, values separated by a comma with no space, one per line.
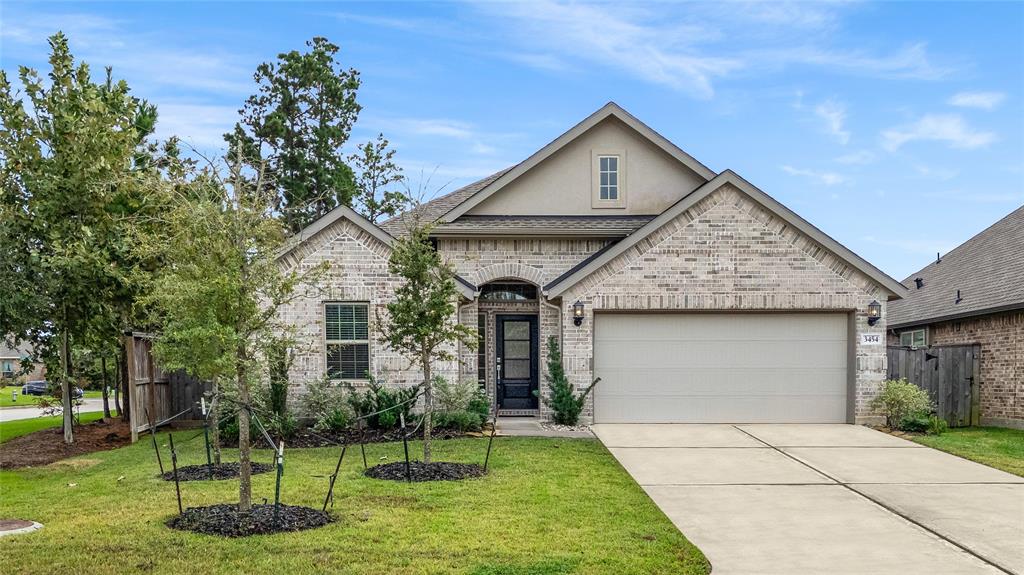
[215,421]
[65,384]
[428,407]
[244,452]
[117,388]
[106,389]
[125,395]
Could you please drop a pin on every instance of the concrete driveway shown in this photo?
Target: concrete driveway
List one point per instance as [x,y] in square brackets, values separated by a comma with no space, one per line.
[796,499]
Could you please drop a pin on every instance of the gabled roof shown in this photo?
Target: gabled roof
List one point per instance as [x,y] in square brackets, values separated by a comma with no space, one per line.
[593,263]
[611,109]
[987,269]
[465,288]
[437,207]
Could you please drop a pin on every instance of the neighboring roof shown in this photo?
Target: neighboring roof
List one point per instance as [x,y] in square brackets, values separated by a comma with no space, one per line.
[437,207]
[594,262]
[988,269]
[611,109]
[18,352]
[465,288]
[597,226]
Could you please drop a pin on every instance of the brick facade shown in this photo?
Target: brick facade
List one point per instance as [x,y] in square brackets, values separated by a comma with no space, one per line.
[725,253]
[1001,337]
[728,253]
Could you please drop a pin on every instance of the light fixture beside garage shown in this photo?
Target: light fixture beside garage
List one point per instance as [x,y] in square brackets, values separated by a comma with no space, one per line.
[577,313]
[874,312]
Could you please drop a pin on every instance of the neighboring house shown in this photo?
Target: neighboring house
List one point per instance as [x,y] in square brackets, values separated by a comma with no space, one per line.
[975,294]
[11,363]
[694,296]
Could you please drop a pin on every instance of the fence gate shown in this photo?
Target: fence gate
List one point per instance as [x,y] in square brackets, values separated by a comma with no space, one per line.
[950,374]
[155,395]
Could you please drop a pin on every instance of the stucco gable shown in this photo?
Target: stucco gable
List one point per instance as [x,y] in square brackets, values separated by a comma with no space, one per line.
[662,170]
[776,218]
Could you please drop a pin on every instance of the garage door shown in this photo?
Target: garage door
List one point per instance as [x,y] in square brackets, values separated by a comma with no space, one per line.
[728,368]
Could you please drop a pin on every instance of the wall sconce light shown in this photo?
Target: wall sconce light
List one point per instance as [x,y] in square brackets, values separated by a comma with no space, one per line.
[577,313]
[874,312]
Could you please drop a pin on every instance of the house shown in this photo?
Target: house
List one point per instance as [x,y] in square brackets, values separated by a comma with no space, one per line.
[11,358]
[974,294]
[693,295]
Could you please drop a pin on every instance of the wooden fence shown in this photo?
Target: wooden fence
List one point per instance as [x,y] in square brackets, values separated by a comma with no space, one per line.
[950,374]
[154,395]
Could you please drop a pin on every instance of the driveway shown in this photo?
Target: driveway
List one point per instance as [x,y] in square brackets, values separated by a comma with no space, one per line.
[796,499]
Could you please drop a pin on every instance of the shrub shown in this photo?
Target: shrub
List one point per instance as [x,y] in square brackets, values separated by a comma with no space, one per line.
[458,420]
[565,403]
[915,424]
[480,405]
[899,400]
[383,405]
[936,425]
[325,403]
[282,426]
[463,396]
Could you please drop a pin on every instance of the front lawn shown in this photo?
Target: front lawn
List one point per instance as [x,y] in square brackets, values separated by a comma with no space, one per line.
[11,429]
[549,506]
[994,446]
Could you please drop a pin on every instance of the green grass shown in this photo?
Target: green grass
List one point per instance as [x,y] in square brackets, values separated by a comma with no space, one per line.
[548,507]
[11,429]
[994,446]
[30,400]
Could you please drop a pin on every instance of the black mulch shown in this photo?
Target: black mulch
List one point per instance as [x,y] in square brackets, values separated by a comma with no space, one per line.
[222,471]
[435,471]
[308,438]
[224,519]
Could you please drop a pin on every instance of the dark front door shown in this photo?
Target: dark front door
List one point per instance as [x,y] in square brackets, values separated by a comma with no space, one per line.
[517,357]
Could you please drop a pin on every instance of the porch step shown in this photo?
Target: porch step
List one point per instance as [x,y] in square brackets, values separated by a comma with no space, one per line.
[518,413]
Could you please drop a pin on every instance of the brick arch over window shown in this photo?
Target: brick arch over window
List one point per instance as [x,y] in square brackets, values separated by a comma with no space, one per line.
[510,270]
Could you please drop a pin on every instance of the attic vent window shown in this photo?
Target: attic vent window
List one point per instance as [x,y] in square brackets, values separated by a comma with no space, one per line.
[609,174]
[608,178]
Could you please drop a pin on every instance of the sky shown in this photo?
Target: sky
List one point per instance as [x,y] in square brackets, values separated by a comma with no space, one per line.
[896,128]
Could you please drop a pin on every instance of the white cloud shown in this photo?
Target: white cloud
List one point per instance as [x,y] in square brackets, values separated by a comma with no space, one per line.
[978,197]
[833,113]
[911,62]
[933,173]
[981,100]
[201,126]
[477,141]
[859,157]
[823,178]
[950,129]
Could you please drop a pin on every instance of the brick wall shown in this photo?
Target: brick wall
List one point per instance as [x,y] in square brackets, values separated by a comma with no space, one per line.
[728,253]
[1002,362]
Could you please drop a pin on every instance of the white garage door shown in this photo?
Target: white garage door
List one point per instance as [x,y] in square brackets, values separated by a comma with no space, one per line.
[727,368]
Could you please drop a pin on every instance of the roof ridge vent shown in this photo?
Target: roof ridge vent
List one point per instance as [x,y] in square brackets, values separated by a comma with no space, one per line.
[919,282]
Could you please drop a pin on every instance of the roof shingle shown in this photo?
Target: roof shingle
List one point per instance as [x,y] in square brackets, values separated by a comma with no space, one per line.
[987,270]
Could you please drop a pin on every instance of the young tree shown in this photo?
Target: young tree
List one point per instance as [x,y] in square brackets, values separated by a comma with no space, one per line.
[297,123]
[421,321]
[69,164]
[376,173]
[221,285]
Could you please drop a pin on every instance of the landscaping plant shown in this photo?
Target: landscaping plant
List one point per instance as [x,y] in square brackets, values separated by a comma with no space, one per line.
[421,321]
[325,402]
[564,402]
[899,399]
[381,406]
[218,293]
[462,406]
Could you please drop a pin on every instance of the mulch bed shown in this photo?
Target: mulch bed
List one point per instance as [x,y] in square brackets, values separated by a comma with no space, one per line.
[308,438]
[47,446]
[434,471]
[225,520]
[222,471]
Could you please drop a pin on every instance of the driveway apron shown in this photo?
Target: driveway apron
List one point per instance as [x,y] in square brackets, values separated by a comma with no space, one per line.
[812,499]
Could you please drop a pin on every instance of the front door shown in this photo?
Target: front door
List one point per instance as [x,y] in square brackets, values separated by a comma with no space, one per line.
[517,361]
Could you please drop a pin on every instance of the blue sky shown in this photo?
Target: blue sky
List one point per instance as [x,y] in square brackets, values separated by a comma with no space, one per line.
[896,128]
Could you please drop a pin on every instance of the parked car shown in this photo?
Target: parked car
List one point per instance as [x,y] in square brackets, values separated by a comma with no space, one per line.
[40,387]
[35,388]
